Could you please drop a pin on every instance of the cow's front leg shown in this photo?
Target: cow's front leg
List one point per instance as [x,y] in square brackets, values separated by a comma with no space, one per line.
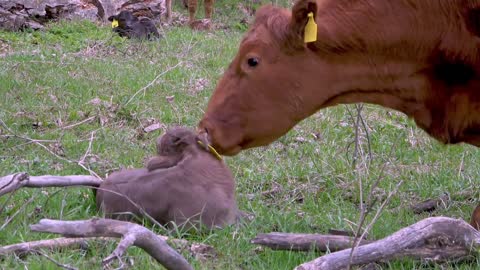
[192,9]
[209,8]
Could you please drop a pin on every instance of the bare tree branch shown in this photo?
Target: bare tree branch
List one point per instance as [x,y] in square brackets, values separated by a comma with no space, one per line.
[22,249]
[435,239]
[130,234]
[13,182]
[365,207]
[441,201]
[26,248]
[305,242]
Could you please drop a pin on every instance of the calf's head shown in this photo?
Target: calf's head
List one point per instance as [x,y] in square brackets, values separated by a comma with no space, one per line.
[176,141]
[125,19]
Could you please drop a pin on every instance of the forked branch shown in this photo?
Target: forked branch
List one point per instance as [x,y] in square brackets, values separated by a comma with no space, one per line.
[434,239]
[130,234]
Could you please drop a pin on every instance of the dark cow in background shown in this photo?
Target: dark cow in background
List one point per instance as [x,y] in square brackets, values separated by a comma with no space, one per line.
[418,57]
[132,27]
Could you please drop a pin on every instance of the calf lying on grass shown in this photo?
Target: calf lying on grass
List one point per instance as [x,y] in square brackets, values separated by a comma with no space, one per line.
[185,184]
[128,25]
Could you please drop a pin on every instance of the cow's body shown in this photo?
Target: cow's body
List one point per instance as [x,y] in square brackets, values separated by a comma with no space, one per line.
[417,57]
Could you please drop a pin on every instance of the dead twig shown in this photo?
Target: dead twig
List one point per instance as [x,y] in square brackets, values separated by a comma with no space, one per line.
[38,142]
[130,234]
[365,208]
[61,265]
[152,82]
[434,239]
[89,119]
[9,219]
[81,162]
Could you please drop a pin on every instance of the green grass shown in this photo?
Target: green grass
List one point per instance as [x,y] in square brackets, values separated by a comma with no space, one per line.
[49,79]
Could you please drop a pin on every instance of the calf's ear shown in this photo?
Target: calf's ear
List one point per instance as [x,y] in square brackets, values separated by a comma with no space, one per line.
[299,19]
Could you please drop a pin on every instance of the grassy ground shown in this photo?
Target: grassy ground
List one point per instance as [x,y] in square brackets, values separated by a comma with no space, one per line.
[76,80]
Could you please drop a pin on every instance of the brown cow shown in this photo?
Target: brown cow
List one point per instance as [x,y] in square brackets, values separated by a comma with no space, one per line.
[186,184]
[192,9]
[417,57]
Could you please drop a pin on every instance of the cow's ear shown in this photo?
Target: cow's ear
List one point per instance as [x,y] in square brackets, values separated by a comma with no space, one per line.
[300,11]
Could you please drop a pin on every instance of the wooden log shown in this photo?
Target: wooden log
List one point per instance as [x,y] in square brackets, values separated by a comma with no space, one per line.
[442,201]
[13,182]
[305,242]
[130,234]
[434,239]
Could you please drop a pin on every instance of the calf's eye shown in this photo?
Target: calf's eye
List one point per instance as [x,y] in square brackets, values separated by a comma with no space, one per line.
[252,61]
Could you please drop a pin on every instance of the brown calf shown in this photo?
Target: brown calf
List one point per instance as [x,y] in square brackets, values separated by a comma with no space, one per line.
[417,57]
[192,188]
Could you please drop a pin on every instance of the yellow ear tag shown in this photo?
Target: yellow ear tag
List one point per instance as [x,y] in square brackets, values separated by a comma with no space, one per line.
[310,34]
[114,23]
[212,150]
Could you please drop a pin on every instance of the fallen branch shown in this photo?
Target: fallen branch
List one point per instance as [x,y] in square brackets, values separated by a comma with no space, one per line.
[130,234]
[305,242]
[442,201]
[434,239]
[198,250]
[16,181]
[23,249]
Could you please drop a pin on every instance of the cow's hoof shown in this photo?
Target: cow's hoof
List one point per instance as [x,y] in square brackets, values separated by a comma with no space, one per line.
[201,25]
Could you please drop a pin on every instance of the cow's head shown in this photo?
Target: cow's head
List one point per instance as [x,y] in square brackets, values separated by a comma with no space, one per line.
[396,54]
[268,86]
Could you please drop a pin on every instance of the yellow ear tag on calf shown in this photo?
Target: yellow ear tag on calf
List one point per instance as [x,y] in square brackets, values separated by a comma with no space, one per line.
[114,23]
[310,34]
[212,150]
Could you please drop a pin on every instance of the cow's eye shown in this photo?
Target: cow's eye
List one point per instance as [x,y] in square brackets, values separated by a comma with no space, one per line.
[253,62]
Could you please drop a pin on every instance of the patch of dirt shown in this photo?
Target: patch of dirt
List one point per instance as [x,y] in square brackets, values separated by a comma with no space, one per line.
[293,191]
[178,19]
[198,85]
[106,110]
[350,192]
[97,49]
[5,48]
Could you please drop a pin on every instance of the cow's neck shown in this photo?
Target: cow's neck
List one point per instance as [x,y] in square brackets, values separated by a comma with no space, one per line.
[392,84]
